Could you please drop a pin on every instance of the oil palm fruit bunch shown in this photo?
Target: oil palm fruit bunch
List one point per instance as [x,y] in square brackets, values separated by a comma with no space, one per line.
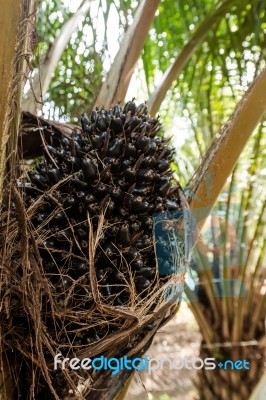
[116,167]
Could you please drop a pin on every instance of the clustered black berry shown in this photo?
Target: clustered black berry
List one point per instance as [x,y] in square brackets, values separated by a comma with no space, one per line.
[117,167]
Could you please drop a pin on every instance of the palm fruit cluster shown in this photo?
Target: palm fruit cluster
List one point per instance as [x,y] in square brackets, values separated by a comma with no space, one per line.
[118,166]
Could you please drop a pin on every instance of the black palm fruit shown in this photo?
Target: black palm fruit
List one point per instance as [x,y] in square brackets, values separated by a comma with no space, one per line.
[119,167]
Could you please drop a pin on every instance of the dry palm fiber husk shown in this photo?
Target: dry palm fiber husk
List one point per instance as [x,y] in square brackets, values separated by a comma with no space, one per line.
[93,250]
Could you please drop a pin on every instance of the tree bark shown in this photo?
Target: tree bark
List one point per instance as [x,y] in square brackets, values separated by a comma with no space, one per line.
[15,24]
[9,24]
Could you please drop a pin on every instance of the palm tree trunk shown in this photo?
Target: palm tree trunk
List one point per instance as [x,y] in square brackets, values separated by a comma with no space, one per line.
[15,23]
[9,22]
